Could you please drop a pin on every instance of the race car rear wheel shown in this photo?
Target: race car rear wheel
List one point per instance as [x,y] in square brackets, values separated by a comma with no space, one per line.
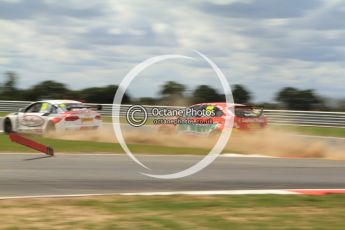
[8,126]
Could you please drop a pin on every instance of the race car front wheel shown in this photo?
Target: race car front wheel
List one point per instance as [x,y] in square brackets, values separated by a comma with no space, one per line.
[8,126]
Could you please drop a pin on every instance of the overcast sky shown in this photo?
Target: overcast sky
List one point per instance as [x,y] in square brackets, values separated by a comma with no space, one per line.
[262,44]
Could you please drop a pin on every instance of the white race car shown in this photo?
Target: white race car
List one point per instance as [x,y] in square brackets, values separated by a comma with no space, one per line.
[44,117]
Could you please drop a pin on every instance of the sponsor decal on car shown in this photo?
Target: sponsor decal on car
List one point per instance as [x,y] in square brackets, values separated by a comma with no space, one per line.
[31,121]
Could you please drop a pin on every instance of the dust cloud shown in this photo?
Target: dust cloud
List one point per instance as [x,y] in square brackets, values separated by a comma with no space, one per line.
[270,142]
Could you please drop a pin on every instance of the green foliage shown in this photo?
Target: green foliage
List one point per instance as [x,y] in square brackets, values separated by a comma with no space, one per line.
[9,89]
[173,93]
[48,90]
[296,99]
[341,105]
[56,90]
[205,93]
[241,94]
[172,88]
[101,94]
[148,101]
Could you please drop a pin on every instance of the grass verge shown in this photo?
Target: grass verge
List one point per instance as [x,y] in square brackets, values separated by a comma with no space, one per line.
[2,114]
[176,212]
[314,131]
[95,147]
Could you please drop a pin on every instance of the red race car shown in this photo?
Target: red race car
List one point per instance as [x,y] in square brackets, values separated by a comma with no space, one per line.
[206,118]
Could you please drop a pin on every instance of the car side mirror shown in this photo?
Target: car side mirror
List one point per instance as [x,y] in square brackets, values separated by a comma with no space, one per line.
[21,110]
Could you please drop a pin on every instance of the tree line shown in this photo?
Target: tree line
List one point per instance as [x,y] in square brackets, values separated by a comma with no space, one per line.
[171,93]
[56,90]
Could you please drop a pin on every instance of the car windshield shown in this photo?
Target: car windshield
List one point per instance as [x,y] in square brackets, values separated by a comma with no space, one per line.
[248,111]
[71,106]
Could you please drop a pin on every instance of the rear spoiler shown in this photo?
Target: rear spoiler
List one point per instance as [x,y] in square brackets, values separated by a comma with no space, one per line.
[250,107]
[96,107]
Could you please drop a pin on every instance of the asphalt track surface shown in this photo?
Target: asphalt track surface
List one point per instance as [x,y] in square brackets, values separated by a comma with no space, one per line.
[66,174]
